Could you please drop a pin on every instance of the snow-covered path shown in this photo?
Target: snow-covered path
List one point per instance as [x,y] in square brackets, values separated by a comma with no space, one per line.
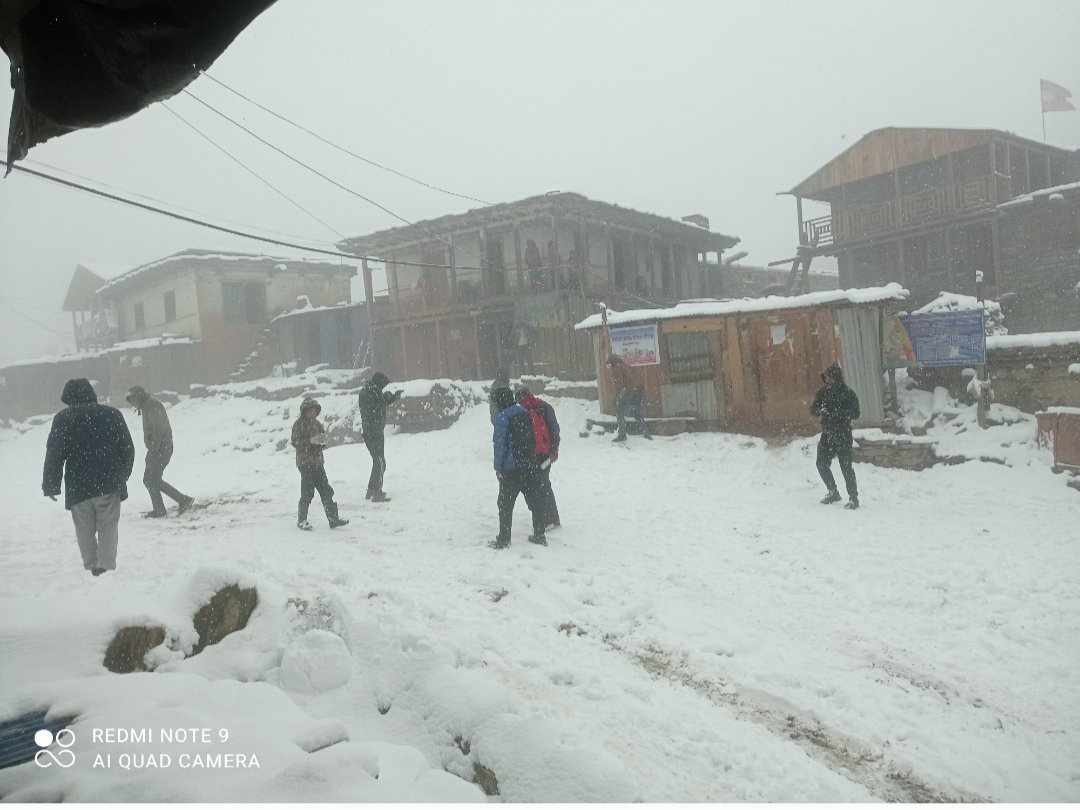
[701,629]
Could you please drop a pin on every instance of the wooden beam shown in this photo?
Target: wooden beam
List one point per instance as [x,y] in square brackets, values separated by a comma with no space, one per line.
[799,220]
[392,280]
[369,287]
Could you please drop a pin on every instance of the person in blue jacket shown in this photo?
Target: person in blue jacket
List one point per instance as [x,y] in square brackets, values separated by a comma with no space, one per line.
[516,468]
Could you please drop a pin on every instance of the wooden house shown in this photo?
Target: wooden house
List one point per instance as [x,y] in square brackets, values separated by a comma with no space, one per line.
[751,365]
[921,207]
[503,286]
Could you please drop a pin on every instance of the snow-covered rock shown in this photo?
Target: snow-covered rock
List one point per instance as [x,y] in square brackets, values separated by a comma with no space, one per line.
[316,661]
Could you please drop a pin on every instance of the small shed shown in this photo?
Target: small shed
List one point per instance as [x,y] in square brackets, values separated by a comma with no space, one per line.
[334,335]
[750,365]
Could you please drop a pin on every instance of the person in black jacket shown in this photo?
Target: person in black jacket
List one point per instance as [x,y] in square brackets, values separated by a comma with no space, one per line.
[514,445]
[373,404]
[90,449]
[837,406]
[158,438]
[309,439]
[502,380]
[545,456]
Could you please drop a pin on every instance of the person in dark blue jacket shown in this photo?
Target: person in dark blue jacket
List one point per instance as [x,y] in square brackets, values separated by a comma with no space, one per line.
[90,449]
[516,468]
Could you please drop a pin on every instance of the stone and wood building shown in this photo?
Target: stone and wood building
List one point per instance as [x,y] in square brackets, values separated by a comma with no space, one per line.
[503,286]
[933,209]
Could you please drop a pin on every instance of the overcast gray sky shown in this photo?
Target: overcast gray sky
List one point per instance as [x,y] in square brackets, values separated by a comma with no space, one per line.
[674,107]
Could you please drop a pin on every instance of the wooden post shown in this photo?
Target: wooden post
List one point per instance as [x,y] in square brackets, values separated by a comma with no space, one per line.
[451,255]
[476,325]
[995,255]
[369,287]
[392,279]
[517,257]
[483,264]
[992,191]
[799,220]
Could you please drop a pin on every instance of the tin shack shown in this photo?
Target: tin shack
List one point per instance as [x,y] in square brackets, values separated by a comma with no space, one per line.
[750,365]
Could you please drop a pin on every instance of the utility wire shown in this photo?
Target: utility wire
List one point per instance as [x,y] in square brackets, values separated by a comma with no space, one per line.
[233,231]
[162,202]
[340,148]
[34,321]
[251,171]
[297,160]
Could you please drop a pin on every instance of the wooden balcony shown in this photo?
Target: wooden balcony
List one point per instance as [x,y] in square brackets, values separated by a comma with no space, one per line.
[898,214]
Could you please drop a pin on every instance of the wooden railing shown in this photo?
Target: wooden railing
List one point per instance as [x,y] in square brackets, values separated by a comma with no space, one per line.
[909,210]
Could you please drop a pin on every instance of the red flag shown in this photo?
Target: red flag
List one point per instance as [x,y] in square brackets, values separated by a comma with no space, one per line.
[1055,98]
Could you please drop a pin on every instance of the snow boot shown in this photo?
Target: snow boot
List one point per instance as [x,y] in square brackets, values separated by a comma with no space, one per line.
[380,497]
[499,543]
[620,438]
[155,515]
[337,522]
[832,497]
[185,504]
[538,539]
[853,502]
[97,572]
[304,525]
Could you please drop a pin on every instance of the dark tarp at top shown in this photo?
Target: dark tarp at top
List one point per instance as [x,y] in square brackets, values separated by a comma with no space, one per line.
[85,63]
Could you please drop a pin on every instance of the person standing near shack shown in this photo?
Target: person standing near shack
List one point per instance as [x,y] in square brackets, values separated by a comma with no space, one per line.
[309,438]
[629,400]
[837,406]
[90,449]
[373,404]
[546,434]
[158,438]
[515,466]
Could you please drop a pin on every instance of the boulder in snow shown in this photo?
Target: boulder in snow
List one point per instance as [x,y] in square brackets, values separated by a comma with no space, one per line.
[127,651]
[227,611]
[316,662]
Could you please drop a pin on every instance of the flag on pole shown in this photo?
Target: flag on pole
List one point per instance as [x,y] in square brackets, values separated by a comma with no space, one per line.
[1055,98]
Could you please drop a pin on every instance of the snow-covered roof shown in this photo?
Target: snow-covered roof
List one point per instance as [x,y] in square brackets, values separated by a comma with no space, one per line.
[1058,191]
[149,343]
[308,309]
[1033,340]
[189,259]
[865,295]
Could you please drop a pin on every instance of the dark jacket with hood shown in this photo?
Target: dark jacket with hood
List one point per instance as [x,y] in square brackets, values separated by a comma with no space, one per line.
[89,448]
[304,429]
[374,402]
[837,406]
[157,432]
[502,380]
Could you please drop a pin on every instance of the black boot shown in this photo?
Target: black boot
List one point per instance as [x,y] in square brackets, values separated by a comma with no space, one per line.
[301,517]
[832,497]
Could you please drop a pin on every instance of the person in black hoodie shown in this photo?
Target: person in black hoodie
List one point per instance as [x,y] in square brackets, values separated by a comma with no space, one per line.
[90,449]
[158,438]
[309,439]
[373,402]
[837,406]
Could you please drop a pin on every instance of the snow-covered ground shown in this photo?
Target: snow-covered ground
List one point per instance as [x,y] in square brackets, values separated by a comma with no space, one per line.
[700,629]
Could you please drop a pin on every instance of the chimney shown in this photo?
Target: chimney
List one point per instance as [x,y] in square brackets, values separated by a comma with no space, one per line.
[700,220]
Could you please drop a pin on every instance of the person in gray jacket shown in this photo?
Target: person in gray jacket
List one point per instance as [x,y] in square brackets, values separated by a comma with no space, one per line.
[158,438]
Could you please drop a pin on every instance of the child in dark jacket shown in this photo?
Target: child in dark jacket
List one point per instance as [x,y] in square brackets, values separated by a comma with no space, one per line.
[309,438]
[516,468]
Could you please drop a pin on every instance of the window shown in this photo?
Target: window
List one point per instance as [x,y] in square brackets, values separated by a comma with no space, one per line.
[140,315]
[689,358]
[243,303]
[170,306]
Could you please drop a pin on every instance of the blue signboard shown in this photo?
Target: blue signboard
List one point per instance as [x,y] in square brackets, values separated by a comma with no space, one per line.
[947,338]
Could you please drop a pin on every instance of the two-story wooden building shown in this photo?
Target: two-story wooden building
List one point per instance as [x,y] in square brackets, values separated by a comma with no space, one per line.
[503,286]
[922,207]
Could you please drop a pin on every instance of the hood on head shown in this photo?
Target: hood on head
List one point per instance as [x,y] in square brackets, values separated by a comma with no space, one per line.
[833,374]
[310,404]
[503,398]
[379,380]
[137,395]
[521,393]
[78,392]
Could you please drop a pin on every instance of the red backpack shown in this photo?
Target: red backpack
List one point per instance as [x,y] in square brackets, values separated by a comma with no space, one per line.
[539,424]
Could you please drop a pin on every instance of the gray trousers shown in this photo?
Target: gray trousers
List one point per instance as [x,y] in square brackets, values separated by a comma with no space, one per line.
[96,523]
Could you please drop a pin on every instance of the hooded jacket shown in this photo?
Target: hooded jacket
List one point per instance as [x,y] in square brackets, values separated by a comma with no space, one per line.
[89,448]
[157,431]
[373,402]
[304,429]
[837,406]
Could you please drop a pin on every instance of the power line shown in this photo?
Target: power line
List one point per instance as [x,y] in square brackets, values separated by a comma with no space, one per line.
[164,202]
[34,321]
[232,231]
[297,160]
[251,171]
[343,149]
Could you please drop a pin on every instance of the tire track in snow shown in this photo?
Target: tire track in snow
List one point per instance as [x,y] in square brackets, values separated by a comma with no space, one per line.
[840,753]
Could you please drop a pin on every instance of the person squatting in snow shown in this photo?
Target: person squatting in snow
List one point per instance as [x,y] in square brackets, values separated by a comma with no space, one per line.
[309,438]
[514,445]
[90,449]
[546,435]
[837,406]
[158,438]
[373,402]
